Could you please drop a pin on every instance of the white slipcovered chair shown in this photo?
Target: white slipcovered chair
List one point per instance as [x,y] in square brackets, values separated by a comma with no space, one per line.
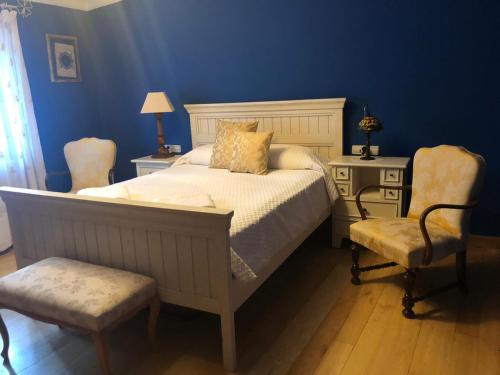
[91,163]
[446,184]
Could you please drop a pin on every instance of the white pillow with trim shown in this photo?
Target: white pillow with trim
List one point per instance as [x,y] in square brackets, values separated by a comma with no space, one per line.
[200,155]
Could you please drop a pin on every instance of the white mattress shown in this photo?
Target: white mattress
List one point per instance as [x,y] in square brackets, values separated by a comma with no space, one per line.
[268,210]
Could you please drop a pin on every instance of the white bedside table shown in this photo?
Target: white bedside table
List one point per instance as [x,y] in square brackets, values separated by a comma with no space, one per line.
[350,173]
[148,165]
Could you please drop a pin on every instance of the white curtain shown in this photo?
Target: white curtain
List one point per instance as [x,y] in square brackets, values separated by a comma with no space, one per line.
[21,159]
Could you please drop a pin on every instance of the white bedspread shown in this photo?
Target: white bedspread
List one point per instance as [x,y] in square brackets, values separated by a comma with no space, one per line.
[268,210]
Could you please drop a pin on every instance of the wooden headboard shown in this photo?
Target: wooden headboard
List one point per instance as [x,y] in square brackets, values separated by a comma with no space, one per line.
[315,123]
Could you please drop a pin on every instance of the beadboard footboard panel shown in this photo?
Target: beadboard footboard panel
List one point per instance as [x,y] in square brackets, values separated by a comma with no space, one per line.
[186,250]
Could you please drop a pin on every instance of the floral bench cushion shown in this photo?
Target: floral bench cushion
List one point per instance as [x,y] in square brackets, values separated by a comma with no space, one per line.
[81,294]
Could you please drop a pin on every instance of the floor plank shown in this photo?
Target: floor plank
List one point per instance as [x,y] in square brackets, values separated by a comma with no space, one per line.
[341,325]
[306,319]
[387,342]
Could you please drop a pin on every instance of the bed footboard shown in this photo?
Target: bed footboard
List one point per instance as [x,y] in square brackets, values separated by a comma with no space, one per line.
[185,249]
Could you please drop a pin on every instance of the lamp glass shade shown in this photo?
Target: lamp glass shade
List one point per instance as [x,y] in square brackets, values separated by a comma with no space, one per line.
[157,102]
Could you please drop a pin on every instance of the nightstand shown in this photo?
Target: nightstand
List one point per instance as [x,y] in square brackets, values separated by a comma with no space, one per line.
[350,173]
[148,165]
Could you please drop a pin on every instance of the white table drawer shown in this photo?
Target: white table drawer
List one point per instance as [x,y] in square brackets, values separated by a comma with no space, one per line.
[342,173]
[148,164]
[143,171]
[344,189]
[392,194]
[373,209]
[391,175]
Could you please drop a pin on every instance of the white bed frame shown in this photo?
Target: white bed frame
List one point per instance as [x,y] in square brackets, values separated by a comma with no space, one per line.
[185,249]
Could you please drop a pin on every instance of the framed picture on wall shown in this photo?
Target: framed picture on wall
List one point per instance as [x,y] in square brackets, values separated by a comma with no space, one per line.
[64,61]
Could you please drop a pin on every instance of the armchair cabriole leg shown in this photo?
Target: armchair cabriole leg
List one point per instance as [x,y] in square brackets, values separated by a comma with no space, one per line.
[6,341]
[355,271]
[461,263]
[408,301]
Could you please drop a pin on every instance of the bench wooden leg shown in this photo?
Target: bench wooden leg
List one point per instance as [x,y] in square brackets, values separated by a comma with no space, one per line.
[154,311]
[5,338]
[102,352]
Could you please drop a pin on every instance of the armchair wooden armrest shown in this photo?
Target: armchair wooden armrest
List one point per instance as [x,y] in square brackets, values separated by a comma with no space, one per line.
[111,177]
[54,174]
[425,233]
[361,210]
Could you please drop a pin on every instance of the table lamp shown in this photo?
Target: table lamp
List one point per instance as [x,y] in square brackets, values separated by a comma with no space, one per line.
[159,103]
[368,125]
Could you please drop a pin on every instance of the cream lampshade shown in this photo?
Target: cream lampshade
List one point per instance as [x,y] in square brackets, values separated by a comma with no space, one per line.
[159,103]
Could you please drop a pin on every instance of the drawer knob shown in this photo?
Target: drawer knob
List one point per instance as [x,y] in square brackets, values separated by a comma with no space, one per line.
[365,211]
[342,190]
[342,173]
[391,175]
[391,192]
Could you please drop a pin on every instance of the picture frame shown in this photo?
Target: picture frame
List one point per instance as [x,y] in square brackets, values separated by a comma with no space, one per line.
[64,60]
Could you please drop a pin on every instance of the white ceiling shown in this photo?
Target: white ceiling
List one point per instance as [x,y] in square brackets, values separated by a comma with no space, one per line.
[78,4]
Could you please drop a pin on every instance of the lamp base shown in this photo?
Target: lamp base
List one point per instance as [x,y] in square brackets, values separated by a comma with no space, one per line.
[163,153]
[366,152]
[367,158]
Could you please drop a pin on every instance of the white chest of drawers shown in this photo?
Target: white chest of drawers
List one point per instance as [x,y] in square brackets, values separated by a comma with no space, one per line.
[350,174]
[148,165]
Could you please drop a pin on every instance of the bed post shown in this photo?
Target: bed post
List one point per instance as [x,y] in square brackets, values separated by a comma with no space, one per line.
[228,341]
[225,299]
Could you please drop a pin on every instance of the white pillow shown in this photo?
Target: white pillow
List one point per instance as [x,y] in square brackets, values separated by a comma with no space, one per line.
[299,157]
[281,156]
[111,191]
[292,157]
[199,156]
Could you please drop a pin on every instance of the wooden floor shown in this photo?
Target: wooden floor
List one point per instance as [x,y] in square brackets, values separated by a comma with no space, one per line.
[307,319]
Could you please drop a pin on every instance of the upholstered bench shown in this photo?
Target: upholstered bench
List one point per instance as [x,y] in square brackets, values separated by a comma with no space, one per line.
[69,293]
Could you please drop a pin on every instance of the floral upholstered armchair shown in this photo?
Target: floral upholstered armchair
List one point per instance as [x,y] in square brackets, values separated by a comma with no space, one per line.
[446,184]
[91,163]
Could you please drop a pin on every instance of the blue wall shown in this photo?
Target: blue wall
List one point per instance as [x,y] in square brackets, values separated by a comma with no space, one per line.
[428,70]
[64,111]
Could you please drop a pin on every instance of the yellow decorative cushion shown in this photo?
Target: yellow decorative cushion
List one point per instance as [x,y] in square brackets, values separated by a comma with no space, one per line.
[401,241]
[251,152]
[224,141]
[446,174]
[85,295]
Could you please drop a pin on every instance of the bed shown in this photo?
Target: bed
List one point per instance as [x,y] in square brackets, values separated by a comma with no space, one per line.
[200,257]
